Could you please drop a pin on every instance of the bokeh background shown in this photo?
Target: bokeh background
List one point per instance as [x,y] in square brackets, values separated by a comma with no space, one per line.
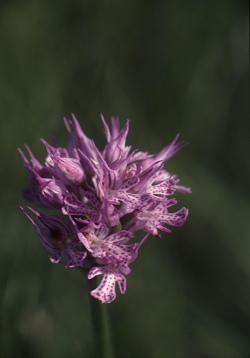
[170,67]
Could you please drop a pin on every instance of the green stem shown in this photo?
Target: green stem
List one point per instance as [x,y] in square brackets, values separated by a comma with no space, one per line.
[101,326]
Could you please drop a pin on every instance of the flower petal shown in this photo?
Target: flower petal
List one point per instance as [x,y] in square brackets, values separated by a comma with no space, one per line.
[105,292]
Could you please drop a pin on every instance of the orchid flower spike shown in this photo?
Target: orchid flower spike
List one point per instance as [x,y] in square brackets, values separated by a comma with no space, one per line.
[102,198]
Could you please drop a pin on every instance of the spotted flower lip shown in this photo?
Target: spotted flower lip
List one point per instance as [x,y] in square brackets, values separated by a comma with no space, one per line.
[102,199]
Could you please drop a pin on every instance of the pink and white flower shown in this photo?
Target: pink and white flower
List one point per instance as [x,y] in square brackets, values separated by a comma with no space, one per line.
[104,198]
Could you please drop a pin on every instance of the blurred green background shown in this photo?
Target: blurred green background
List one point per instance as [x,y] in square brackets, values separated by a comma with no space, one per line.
[170,67]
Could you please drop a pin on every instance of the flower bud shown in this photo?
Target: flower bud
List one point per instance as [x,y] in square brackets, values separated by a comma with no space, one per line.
[68,169]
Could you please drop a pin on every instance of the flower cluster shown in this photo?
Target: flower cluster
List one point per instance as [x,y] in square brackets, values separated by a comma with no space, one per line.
[104,197]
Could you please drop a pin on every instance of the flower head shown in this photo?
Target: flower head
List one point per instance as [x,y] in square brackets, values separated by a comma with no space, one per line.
[104,197]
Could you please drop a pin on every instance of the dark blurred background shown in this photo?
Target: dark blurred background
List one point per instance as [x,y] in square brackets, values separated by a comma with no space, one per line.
[170,67]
